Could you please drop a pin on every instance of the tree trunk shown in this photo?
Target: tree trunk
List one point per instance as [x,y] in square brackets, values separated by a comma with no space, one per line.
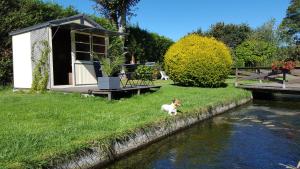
[121,27]
[132,59]
[122,24]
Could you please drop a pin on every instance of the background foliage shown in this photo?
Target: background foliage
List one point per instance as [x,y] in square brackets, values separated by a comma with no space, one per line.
[291,23]
[267,32]
[16,14]
[253,53]
[146,46]
[5,70]
[231,34]
[282,42]
[117,11]
[198,61]
[144,72]
[290,32]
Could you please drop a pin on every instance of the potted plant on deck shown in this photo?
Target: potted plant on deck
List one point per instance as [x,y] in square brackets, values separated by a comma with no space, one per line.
[110,66]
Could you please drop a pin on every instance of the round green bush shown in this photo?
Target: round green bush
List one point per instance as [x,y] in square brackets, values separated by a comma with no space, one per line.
[198,61]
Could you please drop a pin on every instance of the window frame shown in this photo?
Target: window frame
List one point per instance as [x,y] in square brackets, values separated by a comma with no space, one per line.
[91,45]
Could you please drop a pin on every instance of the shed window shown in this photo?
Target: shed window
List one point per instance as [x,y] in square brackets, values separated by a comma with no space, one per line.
[99,49]
[87,45]
[83,47]
[98,40]
[82,38]
[83,56]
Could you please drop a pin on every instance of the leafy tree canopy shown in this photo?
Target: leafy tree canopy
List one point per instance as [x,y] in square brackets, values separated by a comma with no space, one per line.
[267,32]
[16,14]
[291,23]
[105,23]
[255,53]
[231,34]
[118,11]
[289,53]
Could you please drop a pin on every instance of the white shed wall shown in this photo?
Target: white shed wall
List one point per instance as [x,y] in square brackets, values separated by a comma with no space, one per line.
[22,65]
[85,73]
[87,23]
[74,21]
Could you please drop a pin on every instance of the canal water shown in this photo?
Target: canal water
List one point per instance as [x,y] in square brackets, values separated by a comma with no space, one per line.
[260,135]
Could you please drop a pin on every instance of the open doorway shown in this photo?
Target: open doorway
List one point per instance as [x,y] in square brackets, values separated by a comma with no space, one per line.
[62,60]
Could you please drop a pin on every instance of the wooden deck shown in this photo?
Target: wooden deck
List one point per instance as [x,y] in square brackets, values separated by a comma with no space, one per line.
[271,88]
[75,89]
[93,90]
[264,80]
[136,89]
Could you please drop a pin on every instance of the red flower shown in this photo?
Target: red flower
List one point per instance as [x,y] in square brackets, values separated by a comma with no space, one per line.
[283,65]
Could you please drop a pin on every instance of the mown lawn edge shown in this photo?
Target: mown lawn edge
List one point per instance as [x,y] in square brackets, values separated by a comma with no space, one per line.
[110,149]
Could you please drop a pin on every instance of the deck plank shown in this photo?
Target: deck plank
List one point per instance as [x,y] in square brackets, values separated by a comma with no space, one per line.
[272,88]
[96,91]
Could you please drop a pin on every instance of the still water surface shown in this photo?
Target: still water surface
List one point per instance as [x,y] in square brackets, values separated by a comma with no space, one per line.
[261,135]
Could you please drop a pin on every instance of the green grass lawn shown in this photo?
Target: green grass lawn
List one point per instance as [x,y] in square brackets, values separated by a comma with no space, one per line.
[36,128]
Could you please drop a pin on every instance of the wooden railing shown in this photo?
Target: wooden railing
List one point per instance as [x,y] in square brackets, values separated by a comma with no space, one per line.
[266,75]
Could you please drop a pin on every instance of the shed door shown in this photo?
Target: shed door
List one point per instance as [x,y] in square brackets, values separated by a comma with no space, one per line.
[62,67]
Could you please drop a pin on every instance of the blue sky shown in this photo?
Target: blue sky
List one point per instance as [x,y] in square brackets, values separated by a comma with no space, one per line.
[175,18]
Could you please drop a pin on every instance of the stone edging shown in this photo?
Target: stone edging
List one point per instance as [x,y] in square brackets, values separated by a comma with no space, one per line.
[96,157]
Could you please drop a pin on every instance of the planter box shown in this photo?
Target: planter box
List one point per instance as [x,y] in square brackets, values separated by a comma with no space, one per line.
[109,83]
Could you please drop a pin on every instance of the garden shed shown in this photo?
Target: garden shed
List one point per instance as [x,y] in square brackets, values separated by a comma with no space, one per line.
[73,42]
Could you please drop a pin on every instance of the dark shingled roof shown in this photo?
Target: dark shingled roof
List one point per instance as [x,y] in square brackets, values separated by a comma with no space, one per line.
[58,22]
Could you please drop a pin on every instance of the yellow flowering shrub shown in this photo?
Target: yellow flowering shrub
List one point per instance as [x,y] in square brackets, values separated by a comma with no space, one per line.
[198,61]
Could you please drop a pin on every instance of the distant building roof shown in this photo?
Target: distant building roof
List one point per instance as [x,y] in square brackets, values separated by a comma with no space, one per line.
[58,22]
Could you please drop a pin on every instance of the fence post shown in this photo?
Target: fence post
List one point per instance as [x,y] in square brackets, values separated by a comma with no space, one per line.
[258,72]
[284,77]
[236,77]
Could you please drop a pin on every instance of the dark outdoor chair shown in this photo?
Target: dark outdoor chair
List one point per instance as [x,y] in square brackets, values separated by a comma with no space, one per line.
[97,67]
[130,78]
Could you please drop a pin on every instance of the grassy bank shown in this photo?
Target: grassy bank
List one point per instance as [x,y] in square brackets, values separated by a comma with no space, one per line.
[36,128]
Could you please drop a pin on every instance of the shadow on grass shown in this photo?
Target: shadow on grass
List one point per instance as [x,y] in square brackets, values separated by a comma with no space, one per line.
[127,94]
[222,85]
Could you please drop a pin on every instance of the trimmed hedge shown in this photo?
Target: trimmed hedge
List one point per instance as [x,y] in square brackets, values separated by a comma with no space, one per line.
[198,61]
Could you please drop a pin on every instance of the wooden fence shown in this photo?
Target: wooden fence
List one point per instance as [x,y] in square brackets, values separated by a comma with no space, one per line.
[265,75]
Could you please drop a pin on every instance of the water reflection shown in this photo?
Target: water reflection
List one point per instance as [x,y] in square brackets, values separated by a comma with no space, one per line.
[264,134]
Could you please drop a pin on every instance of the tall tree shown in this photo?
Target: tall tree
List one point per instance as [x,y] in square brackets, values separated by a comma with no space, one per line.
[118,11]
[134,49]
[253,53]
[231,34]
[199,31]
[267,32]
[291,23]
